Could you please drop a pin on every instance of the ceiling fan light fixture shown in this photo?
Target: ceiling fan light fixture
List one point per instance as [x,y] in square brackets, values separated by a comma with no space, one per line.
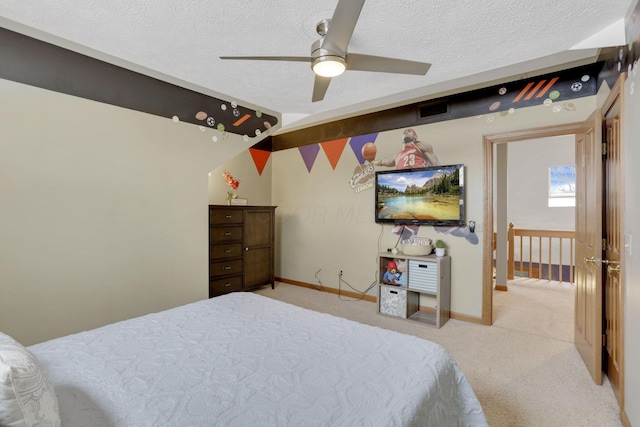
[329,66]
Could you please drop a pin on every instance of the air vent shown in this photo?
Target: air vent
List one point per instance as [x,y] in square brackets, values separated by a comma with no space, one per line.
[435,108]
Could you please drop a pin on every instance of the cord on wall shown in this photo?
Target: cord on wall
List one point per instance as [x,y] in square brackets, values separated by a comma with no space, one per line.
[362,293]
[318,288]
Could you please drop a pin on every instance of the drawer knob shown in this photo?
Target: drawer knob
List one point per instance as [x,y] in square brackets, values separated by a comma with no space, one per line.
[226,251]
[227,233]
[226,267]
[227,284]
[227,216]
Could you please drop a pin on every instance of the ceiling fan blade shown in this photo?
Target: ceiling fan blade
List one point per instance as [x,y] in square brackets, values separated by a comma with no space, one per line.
[320,86]
[342,24]
[382,64]
[270,58]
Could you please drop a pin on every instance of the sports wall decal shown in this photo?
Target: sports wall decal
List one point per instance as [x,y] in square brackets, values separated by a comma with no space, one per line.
[624,58]
[552,90]
[358,143]
[413,154]
[365,150]
[36,63]
[632,31]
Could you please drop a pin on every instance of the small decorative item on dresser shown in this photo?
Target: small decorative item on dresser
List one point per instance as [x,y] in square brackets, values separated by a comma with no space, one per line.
[440,246]
[237,201]
[233,184]
[231,197]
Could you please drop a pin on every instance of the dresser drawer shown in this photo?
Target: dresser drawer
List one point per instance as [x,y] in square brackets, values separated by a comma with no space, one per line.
[224,268]
[225,216]
[223,233]
[222,286]
[225,251]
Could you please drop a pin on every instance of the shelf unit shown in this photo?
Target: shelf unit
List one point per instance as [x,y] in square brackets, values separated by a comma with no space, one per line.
[427,278]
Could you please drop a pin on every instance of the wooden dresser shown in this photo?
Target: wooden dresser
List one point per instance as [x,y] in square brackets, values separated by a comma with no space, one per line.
[241,248]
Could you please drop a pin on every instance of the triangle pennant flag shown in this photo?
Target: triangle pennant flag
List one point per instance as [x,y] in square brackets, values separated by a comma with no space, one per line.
[260,158]
[333,150]
[309,154]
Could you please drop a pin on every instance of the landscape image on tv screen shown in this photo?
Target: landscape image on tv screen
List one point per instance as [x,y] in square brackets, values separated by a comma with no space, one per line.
[432,195]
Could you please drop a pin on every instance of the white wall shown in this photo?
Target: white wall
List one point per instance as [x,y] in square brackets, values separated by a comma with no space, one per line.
[103,212]
[528,174]
[324,226]
[528,194]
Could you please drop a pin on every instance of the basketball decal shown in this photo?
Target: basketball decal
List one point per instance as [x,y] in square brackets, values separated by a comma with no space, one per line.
[369,151]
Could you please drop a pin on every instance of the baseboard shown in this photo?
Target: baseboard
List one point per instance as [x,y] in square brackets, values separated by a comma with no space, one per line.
[350,294]
[373,298]
[466,318]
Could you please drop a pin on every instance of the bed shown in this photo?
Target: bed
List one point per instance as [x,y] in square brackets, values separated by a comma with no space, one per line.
[244,359]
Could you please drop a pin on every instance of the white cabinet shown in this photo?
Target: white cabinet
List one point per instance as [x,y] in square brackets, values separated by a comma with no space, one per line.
[422,291]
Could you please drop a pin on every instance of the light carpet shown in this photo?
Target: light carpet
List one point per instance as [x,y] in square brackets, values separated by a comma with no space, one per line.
[524,368]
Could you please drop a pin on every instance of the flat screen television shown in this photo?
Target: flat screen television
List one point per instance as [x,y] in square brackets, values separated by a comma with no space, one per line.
[426,196]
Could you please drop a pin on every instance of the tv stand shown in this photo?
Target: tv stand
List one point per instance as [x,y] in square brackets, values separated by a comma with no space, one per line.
[428,279]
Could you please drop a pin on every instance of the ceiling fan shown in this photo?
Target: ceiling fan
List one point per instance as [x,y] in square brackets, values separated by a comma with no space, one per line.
[329,57]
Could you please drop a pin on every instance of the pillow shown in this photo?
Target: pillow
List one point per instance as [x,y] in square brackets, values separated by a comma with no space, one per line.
[26,396]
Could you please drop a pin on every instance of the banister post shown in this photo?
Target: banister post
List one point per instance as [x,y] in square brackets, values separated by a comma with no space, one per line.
[510,244]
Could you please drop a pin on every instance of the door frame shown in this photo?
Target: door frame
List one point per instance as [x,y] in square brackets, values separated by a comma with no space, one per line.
[617,95]
[489,141]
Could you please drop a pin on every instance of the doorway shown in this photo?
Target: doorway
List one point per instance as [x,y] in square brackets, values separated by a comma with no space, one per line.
[490,142]
[609,258]
[534,191]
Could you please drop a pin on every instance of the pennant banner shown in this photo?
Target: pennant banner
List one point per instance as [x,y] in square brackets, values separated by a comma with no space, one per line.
[260,158]
[333,150]
[309,154]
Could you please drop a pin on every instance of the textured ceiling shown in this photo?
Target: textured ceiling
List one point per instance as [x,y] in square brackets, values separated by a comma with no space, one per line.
[467,43]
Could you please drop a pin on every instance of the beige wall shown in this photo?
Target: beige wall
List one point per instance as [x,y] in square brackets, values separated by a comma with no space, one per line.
[103,212]
[324,226]
[254,187]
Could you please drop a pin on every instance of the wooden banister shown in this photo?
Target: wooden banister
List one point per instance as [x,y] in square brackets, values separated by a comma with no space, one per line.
[545,241]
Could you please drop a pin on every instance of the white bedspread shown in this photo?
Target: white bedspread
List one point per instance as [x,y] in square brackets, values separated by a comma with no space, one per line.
[246,360]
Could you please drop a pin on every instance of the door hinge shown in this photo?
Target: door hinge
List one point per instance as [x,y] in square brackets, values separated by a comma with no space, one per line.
[604,148]
[604,244]
[604,340]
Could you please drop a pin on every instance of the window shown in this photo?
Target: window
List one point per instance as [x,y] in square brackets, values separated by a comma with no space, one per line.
[562,186]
